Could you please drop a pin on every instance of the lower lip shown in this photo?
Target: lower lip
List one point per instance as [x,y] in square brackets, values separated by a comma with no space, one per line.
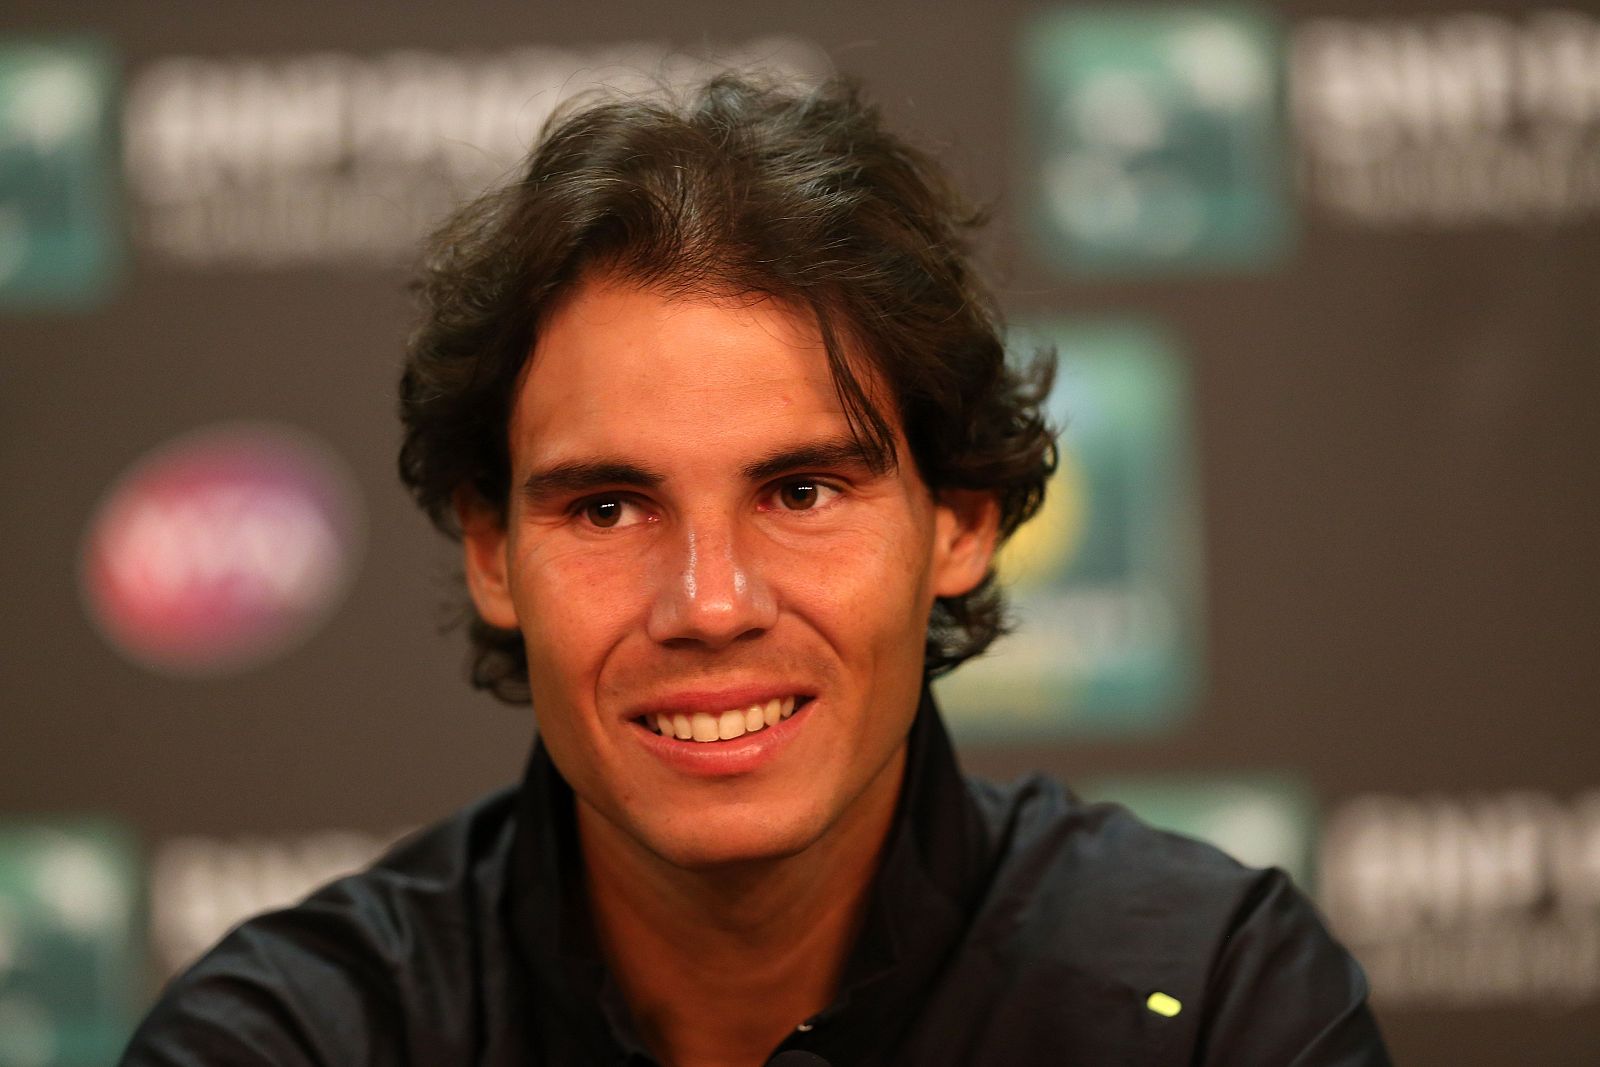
[744,754]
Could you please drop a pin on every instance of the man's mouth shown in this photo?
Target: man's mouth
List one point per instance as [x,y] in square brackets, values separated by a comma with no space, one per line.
[704,726]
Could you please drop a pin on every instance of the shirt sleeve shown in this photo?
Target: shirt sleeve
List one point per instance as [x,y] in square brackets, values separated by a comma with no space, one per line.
[1284,992]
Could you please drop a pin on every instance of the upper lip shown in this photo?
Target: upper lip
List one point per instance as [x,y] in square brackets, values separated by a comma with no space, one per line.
[689,701]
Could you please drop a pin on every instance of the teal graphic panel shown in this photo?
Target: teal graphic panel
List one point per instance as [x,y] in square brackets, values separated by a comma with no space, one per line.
[1261,820]
[70,963]
[1104,583]
[1155,138]
[58,239]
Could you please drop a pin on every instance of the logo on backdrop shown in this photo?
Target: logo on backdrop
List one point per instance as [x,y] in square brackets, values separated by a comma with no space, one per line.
[1460,902]
[70,944]
[331,156]
[222,549]
[1451,119]
[1157,137]
[1104,582]
[56,173]
[1260,820]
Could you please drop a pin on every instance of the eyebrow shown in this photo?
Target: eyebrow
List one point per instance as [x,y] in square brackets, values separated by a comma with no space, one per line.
[583,476]
[840,452]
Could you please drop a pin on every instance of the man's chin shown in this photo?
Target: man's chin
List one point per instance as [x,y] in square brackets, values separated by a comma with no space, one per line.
[729,845]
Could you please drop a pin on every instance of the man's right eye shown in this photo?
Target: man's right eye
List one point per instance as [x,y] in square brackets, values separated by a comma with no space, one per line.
[608,512]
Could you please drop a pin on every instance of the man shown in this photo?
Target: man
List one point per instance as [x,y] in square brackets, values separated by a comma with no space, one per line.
[721,417]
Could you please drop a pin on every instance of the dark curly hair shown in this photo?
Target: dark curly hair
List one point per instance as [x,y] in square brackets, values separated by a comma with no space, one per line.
[745,186]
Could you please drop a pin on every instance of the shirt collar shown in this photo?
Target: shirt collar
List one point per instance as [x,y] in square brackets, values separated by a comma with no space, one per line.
[933,864]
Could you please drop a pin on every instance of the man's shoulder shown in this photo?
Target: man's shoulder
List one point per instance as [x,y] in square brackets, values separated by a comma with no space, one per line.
[1106,885]
[1103,924]
[1101,848]
[389,957]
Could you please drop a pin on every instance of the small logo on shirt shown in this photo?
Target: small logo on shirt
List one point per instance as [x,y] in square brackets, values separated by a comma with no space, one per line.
[1163,1004]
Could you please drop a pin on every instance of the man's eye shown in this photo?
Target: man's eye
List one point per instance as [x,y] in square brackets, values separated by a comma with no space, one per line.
[803,494]
[606,512]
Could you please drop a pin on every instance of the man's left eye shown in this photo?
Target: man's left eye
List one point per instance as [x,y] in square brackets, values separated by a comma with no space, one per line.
[803,494]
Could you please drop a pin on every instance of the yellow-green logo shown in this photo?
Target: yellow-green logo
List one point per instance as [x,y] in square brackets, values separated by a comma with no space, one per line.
[1104,582]
[70,963]
[1154,137]
[57,240]
[1261,820]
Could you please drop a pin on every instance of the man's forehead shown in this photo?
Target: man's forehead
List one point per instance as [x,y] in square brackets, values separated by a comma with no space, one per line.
[619,358]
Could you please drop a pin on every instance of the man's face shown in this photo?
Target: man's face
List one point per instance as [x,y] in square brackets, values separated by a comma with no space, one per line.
[693,535]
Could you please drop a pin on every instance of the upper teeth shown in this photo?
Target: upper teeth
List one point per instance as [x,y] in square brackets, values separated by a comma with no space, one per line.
[723,726]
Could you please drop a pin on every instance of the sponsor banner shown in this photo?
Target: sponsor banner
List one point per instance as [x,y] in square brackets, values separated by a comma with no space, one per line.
[222,550]
[1261,820]
[1467,902]
[1450,119]
[1104,582]
[1156,138]
[1159,137]
[58,228]
[325,157]
[70,944]
[202,887]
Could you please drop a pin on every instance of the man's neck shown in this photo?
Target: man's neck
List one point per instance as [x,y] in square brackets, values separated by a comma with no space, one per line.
[717,967]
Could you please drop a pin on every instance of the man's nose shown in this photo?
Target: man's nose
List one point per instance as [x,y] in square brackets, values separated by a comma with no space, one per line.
[712,591]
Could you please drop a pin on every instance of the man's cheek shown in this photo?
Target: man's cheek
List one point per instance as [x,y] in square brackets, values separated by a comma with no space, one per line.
[568,652]
[580,590]
[874,579]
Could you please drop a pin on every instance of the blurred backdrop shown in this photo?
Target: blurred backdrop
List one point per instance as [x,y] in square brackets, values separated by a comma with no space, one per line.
[1317,580]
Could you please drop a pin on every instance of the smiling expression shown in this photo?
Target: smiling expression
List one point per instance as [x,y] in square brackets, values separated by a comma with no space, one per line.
[694,536]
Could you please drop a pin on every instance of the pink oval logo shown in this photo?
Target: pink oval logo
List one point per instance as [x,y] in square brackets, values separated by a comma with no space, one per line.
[222,549]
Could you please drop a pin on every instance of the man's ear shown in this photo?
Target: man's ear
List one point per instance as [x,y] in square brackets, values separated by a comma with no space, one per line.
[483,541]
[966,526]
